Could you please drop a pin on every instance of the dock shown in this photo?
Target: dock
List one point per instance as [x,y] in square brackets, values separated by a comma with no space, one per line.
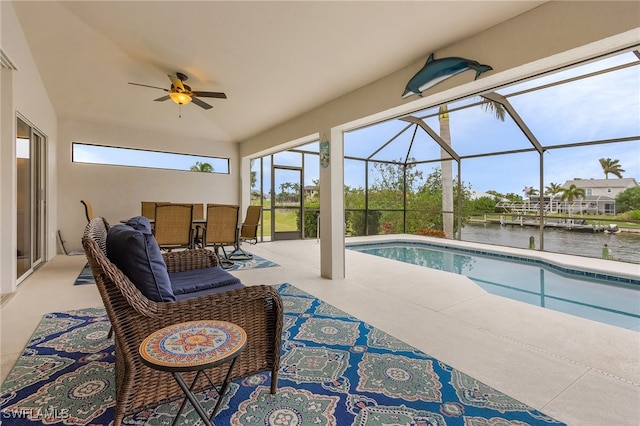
[576,225]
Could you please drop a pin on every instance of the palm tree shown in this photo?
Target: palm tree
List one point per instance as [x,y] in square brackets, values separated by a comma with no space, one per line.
[447,165]
[202,167]
[284,192]
[571,193]
[552,189]
[446,168]
[529,191]
[611,166]
[496,108]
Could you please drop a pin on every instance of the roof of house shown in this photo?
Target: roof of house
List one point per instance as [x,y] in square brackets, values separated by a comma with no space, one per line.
[602,183]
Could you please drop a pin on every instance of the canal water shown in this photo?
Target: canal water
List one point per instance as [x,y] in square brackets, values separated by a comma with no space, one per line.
[624,247]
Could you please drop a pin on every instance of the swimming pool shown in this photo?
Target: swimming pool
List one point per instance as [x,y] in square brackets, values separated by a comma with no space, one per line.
[600,297]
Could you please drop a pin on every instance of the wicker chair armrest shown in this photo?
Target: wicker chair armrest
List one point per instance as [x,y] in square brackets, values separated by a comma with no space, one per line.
[232,305]
[186,260]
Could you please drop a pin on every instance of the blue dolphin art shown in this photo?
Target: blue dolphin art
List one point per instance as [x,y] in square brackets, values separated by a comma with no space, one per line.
[437,70]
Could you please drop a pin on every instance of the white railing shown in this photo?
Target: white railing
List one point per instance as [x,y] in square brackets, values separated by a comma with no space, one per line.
[580,206]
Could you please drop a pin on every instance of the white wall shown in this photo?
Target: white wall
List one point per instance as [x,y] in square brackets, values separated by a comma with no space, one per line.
[22,92]
[116,191]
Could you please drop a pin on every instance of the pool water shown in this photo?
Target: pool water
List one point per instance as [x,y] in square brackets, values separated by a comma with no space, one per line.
[609,299]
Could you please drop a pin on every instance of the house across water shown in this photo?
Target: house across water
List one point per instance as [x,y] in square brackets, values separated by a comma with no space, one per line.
[600,198]
[602,187]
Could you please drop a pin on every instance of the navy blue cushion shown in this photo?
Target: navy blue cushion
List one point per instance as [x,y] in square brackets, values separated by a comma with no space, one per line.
[209,291]
[133,248]
[201,280]
[140,223]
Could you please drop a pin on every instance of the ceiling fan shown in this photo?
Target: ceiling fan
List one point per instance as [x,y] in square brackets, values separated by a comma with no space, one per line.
[182,94]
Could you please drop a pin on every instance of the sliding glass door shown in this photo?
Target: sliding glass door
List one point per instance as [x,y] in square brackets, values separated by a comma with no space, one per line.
[30,202]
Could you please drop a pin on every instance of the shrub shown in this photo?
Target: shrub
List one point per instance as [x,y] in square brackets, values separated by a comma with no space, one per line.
[629,199]
[388,228]
[430,232]
[310,223]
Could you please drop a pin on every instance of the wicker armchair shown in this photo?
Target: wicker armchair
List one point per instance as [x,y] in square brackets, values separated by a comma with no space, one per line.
[258,309]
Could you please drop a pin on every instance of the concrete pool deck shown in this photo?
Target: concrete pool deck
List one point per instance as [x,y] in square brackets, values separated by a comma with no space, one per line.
[578,371]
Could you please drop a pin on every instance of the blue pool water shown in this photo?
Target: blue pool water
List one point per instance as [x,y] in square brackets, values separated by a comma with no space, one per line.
[605,298]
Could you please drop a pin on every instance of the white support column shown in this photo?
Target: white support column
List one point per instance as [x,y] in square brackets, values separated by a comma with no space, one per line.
[332,207]
[245,186]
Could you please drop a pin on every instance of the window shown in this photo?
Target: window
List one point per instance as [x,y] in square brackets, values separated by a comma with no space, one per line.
[115,156]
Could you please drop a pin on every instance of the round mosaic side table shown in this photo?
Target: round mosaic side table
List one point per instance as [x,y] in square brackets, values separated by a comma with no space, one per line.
[194,346]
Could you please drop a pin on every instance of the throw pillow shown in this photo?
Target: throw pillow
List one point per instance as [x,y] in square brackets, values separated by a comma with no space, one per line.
[133,248]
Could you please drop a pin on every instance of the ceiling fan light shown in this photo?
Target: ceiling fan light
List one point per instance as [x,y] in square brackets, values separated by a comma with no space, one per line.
[180,98]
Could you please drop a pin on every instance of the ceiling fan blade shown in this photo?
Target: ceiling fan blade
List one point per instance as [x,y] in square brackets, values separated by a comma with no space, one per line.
[219,95]
[146,85]
[201,103]
[164,98]
[177,83]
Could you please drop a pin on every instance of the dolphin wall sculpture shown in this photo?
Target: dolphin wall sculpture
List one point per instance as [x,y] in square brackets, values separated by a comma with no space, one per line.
[437,70]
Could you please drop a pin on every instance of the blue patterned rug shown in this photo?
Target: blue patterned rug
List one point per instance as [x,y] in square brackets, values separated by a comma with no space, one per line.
[335,370]
[86,277]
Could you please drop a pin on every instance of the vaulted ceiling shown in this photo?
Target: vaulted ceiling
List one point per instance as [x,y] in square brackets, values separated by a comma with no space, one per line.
[274,60]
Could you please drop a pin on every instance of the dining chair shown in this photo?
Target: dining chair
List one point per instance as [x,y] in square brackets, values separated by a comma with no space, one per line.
[221,229]
[198,224]
[198,211]
[247,233]
[173,226]
[148,209]
[88,210]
